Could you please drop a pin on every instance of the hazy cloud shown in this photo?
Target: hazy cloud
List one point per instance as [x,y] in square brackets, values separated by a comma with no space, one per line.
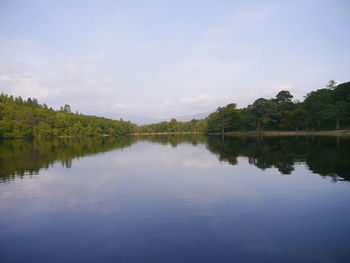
[169,59]
[202,99]
[166,104]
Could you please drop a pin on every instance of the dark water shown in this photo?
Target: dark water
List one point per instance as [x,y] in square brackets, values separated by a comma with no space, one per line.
[175,199]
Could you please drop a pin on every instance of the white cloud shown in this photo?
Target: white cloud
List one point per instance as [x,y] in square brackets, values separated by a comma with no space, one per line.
[4,78]
[204,102]
[16,80]
[114,77]
[203,98]
[164,71]
[71,80]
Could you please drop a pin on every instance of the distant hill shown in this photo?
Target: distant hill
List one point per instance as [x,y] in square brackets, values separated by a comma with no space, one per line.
[140,119]
[197,116]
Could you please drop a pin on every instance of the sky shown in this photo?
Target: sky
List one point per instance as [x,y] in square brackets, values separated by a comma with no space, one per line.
[159,59]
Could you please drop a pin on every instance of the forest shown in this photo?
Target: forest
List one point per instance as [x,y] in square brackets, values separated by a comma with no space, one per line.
[323,109]
[28,119]
[174,126]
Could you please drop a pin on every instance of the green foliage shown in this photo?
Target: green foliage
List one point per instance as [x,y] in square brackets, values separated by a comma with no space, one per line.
[225,118]
[264,111]
[27,119]
[43,130]
[173,126]
[284,97]
[327,108]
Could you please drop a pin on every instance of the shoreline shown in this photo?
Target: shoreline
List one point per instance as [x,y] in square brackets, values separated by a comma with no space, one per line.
[236,133]
[287,133]
[164,133]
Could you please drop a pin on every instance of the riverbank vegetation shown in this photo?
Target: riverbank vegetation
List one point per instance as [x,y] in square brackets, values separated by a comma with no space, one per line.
[27,119]
[173,126]
[323,109]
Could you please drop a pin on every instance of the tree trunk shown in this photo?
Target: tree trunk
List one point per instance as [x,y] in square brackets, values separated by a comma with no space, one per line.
[222,125]
[337,123]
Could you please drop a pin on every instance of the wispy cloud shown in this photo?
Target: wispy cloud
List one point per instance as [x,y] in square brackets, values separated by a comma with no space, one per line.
[200,99]
[168,60]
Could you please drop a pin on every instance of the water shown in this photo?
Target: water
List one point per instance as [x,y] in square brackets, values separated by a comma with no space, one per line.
[175,199]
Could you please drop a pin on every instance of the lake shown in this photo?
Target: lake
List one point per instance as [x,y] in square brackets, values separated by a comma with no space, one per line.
[183,198]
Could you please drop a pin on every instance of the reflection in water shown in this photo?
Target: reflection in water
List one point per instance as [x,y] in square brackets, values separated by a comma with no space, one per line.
[327,156]
[19,157]
[169,199]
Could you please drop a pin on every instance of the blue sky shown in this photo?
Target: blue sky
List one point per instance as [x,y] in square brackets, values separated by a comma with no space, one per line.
[167,58]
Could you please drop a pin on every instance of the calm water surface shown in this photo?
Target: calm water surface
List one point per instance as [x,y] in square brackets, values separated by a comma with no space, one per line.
[175,199]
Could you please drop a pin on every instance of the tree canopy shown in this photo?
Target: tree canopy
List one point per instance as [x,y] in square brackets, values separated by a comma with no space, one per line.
[322,109]
[327,108]
[27,119]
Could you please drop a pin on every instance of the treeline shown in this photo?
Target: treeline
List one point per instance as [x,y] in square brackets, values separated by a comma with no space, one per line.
[173,126]
[323,109]
[27,119]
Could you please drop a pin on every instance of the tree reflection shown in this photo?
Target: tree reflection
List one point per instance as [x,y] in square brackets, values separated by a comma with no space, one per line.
[21,157]
[174,139]
[326,156]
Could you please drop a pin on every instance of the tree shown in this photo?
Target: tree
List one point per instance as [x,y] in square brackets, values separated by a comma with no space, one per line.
[66,108]
[76,129]
[213,122]
[226,115]
[341,96]
[247,120]
[174,125]
[43,130]
[23,119]
[296,119]
[284,96]
[263,111]
[317,104]
[331,84]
